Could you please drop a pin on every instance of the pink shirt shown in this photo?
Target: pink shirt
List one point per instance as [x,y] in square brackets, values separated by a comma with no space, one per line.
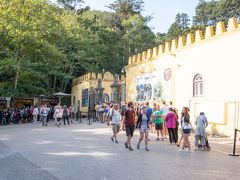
[171,120]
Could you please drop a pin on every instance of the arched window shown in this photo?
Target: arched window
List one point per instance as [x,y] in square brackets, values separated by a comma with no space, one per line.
[198,85]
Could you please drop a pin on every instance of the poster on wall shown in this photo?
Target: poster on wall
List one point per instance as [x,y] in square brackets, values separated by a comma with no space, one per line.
[152,86]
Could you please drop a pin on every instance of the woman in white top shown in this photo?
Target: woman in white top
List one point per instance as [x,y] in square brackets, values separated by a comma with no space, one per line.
[115,118]
[35,114]
[58,114]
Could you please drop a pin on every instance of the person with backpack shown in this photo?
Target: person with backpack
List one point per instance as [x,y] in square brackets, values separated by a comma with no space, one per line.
[115,118]
[200,131]
[143,125]
[65,115]
[129,122]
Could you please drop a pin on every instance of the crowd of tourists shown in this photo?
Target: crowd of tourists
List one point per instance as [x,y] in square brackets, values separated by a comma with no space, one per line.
[160,119]
[34,114]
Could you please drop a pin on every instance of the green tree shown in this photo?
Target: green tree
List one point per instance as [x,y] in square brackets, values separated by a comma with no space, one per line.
[205,12]
[179,27]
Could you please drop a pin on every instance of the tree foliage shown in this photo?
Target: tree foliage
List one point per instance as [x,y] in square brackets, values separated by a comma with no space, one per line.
[206,13]
[44,46]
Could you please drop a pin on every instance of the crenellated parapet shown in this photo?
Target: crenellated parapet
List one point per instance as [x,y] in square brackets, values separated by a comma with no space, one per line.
[190,39]
[107,76]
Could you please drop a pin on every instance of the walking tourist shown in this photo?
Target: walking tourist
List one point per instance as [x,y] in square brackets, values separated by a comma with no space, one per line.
[185,112]
[158,120]
[143,125]
[58,115]
[152,124]
[164,109]
[65,115]
[171,123]
[115,118]
[177,124]
[200,131]
[123,109]
[35,113]
[186,129]
[129,122]
[72,111]
[44,114]
[149,112]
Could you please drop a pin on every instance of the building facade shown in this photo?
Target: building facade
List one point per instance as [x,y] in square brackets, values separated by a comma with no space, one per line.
[200,71]
[82,85]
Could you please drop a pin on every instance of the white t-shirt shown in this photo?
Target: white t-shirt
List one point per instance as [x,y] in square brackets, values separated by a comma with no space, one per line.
[116,117]
[164,110]
[35,111]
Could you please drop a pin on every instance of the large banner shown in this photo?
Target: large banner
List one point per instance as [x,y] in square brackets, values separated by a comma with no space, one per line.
[153,86]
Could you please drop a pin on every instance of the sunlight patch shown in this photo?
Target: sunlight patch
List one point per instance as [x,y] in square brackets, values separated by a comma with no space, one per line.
[94,154]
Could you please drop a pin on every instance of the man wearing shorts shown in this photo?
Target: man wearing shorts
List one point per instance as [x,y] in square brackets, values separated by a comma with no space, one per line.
[158,120]
[129,121]
[115,118]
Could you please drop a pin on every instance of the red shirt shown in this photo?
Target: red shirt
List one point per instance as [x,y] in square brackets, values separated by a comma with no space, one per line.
[129,117]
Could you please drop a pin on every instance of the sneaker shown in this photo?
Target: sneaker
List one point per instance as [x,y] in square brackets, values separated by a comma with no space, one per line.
[202,149]
[116,141]
[146,149]
[181,150]
[189,150]
[157,139]
[130,148]
[138,145]
[112,139]
[126,145]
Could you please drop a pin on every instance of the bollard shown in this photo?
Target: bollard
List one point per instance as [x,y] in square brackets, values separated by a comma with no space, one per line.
[234,144]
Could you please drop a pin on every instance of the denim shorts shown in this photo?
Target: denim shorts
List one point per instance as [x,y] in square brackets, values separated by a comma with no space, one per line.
[186,131]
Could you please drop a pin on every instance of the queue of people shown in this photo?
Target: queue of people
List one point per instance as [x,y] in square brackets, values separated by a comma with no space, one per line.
[34,114]
[163,120]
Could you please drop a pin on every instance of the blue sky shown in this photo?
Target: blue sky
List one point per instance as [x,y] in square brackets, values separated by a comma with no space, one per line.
[163,11]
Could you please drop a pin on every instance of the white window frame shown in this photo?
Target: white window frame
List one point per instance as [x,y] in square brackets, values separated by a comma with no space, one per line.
[198,85]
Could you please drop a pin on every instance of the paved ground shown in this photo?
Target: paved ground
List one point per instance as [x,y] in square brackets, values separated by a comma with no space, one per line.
[82,152]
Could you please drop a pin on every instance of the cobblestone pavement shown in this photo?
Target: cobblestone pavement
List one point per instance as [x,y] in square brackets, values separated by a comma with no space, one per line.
[84,152]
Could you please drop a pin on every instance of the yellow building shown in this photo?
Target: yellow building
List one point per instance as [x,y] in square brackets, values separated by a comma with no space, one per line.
[81,87]
[200,71]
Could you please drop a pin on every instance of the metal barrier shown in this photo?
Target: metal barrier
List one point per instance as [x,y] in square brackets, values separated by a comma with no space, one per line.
[234,144]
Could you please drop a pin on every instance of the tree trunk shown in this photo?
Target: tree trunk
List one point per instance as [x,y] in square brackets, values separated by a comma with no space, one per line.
[54,83]
[16,78]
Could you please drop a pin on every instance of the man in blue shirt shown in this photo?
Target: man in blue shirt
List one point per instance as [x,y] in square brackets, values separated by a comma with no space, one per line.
[149,112]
